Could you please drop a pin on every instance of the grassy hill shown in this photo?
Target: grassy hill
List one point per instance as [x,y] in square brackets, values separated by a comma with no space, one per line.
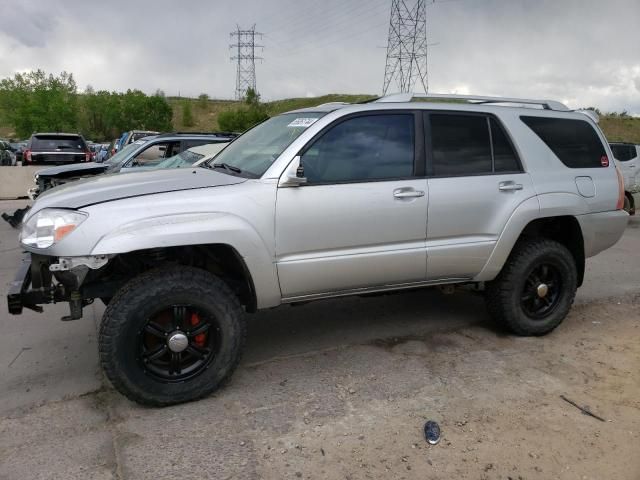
[205,115]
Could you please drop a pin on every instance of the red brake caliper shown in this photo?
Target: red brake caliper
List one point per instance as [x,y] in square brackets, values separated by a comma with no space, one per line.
[201,337]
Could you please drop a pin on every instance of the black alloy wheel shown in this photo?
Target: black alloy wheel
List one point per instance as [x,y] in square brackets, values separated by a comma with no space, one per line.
[171,335]
[541,291]
[178,343]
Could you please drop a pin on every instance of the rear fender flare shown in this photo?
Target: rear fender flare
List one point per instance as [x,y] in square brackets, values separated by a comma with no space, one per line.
[541,206]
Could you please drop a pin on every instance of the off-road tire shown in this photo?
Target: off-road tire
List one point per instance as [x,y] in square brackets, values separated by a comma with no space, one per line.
[629,204]
[128,311]
[503,294]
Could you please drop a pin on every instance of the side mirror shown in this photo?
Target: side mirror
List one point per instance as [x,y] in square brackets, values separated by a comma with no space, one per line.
[294,175]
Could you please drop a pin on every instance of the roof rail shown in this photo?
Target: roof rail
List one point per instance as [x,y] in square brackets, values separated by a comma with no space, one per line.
[226,134]
[328,104]
[407,97]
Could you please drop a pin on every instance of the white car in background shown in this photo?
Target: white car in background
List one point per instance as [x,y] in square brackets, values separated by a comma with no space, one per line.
[627,156]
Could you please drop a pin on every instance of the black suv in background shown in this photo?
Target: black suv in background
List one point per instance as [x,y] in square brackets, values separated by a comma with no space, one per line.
[56,149]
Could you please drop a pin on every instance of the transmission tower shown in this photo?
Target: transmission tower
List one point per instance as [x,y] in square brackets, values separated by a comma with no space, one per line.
[245,55]
[407,46]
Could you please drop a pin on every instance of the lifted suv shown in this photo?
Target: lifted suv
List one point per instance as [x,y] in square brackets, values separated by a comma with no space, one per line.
[323,202]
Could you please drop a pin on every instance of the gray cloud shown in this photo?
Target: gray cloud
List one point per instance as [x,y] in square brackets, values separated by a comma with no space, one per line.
[26,24]
[583,52]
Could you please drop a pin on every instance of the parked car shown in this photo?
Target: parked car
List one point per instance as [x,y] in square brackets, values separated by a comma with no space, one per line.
[193,157]
[628,156]
[56,149]
[147,151]
[103,153]
[113,147]
[133,135]
[324,202]
[7,157]
[18,148]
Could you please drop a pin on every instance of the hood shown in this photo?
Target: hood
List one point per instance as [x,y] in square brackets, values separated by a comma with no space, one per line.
[70,170]
[105,188]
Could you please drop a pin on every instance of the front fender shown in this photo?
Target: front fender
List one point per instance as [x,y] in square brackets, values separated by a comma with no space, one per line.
[200,229]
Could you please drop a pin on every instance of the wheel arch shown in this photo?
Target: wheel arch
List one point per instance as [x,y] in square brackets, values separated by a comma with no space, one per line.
[222,260]
[224,235]
[563,229]
[543,219]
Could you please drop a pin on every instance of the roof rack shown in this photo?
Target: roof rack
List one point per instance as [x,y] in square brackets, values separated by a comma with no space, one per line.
[407,97]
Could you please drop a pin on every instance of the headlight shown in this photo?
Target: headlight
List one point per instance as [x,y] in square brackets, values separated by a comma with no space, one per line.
[49,226]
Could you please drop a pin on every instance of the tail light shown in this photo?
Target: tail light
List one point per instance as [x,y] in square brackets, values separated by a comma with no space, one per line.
[27,155]
[620,204]
[87,156]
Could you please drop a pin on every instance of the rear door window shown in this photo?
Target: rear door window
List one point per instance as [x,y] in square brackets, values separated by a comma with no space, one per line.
[464,145]
[574,142]
[504,156]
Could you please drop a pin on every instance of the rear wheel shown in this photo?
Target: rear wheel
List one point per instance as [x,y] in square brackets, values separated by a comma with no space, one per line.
[535,289]
[171,336]
[629,204]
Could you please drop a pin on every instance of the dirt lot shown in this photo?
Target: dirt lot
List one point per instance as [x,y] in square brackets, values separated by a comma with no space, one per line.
[340,390]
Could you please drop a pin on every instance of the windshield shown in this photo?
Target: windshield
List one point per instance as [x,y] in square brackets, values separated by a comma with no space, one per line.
[254,151]
[183,159]
[124,153]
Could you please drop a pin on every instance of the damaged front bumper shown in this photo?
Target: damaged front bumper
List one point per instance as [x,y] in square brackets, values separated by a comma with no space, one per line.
[42,280]
[32,286]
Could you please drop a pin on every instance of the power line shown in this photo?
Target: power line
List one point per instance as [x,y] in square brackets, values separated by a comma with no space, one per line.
[246,58]
[406,61]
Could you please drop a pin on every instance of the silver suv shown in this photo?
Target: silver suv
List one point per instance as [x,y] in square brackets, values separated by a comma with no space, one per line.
[509,195]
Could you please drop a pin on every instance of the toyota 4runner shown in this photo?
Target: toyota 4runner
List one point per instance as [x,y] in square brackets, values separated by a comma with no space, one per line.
[508,195]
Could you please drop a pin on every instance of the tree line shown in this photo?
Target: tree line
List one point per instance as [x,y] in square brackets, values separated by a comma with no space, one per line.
[39,102]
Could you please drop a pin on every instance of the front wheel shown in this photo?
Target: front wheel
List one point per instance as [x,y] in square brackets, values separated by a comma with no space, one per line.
[171,335]
[535,289]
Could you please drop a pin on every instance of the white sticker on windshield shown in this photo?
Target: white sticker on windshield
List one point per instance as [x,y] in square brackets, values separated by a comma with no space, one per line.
[302,122]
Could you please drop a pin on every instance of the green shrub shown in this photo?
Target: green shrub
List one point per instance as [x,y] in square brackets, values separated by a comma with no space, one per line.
[187,114]
[244,117]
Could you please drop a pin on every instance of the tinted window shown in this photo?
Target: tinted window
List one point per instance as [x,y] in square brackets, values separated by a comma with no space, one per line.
[623,153]
[460,145]
[53,142]
[504,157]
[574,142]
[363,148]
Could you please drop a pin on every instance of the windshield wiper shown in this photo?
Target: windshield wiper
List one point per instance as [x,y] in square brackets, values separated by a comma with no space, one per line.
[226,166]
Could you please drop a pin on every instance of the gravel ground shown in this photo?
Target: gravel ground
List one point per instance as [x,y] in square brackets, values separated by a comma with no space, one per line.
[340,389]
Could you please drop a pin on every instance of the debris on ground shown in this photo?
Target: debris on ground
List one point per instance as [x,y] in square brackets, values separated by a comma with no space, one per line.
[585,410]
[432,432]
[16,219]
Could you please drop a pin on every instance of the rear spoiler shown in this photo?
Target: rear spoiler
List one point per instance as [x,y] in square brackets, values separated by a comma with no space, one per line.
[592,114]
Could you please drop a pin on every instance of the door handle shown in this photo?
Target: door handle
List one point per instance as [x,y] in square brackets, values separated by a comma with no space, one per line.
[401,193]
[509,186]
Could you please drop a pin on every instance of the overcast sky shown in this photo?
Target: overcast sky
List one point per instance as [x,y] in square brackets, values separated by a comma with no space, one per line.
[582,52]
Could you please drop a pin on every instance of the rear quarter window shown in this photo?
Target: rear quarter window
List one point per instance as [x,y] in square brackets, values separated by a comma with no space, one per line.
[574,142]
[624,153]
